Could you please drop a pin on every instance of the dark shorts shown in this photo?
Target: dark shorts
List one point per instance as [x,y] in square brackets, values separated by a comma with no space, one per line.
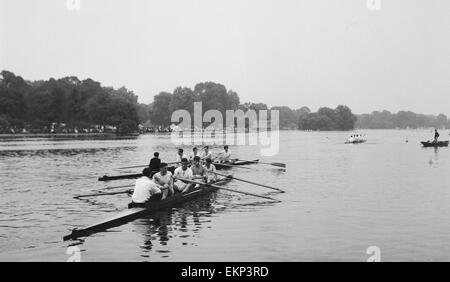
[154,198]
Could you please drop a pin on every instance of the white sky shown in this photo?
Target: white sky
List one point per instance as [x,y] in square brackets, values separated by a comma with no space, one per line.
[280,52]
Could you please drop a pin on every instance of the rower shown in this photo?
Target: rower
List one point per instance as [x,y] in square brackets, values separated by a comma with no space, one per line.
[164,179]
[206,153]
[183,172]
[210,170]
[155,163]
[225,156]
[146,190]
[194,154]
[436,136]
[180,156]
[198,170]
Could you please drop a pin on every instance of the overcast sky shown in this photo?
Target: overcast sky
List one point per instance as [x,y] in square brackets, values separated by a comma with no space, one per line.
[279,52]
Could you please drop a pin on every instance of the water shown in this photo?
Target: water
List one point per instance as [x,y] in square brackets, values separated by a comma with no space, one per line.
[340,200]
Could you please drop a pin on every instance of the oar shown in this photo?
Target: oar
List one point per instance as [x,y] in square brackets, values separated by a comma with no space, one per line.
[230,165]
[227,189]
[254,183]
[272,164]
[102,194]
[138,166]
[117,187]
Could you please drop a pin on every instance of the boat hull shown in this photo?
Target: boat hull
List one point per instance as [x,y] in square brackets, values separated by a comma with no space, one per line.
[436,144]
[134,213]
[172,169]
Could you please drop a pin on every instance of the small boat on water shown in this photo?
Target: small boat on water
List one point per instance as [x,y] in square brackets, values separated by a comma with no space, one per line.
[356,139]
[133,213]
[435,144]
[218,166]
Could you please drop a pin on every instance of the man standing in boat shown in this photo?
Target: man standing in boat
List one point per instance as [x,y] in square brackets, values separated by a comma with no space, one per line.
[145,189]
[436,136]
[164,179]
[183,172]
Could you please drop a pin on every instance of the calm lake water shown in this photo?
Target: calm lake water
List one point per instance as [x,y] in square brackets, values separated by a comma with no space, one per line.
[340,200]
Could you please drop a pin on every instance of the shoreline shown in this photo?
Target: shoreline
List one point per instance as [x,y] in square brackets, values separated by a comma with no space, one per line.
[49,135]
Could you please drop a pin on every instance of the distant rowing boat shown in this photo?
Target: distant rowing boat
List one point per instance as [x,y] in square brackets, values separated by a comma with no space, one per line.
[134,213]
[435,144]
[171,169]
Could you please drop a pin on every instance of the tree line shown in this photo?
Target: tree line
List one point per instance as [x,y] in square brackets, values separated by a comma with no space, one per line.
[37,105]
[401,120]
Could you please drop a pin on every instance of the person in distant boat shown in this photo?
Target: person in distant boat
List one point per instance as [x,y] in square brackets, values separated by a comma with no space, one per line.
[225,156]
[206,153]
[436,136]
[145,189]
[210,170]
[180,155]
[183,172]
[164,179]
[198,170]
[194,154]
[155,163]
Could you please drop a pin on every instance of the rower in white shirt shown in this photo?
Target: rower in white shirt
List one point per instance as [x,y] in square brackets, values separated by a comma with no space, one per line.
[225,155]
[183,172]
[206,154]
[210,170]
[164,179]
[180,156]
[194,154]
[145,189]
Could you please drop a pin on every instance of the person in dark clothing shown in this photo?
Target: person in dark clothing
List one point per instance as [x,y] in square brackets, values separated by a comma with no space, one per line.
[155,162]
[436,136]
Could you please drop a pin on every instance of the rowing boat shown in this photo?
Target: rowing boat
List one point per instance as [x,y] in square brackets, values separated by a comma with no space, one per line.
[134,213]
[218,166]
[435,144]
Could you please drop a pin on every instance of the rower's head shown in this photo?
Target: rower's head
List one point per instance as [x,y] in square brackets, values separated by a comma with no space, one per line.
[206,148]
[208,162]
[196,160]
[147,172]
[156,155]
[195,150]
[163,168]
[226,148]
[180,152]
[184,163]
